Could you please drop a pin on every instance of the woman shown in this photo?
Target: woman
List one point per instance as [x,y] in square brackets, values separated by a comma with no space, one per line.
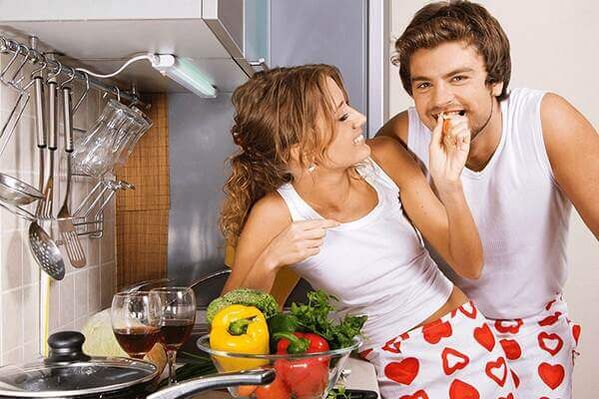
[307,192]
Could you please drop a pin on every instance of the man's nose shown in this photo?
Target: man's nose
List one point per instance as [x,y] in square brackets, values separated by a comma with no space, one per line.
[442,96]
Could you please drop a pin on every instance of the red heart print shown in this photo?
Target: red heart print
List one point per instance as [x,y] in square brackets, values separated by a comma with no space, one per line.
[484,336]
[510,396]
[516,379]
[511,348]
[552,375]
[453,360]
[461,390]
[550,320]
[508,326]
[497,371]
[392,346]
[403,372]
[551,343]
[416,395]
[434,331]
[576,332]
[468,310]
[548,306]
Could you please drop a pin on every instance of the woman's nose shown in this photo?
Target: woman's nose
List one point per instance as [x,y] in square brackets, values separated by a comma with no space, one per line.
[359,121]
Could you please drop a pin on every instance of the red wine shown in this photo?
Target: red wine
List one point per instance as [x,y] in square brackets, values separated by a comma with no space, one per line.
[173,333]
[137,341]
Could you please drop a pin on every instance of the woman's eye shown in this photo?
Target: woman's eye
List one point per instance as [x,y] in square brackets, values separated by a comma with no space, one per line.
[344,117]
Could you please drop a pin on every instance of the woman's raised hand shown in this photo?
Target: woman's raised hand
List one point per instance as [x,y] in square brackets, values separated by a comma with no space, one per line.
[298,241]
[448,150]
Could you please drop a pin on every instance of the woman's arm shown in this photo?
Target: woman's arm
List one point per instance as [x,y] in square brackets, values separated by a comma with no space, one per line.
[270,241]
[446,222]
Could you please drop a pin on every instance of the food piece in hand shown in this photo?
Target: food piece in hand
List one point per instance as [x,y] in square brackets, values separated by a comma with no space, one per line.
[307,378]
[266,303]
[239,329]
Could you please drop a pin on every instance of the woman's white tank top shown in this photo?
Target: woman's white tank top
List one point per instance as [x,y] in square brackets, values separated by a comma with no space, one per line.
[376,265]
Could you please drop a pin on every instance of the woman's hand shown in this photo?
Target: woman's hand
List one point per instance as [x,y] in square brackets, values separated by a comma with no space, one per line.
[297,242]
[448,150]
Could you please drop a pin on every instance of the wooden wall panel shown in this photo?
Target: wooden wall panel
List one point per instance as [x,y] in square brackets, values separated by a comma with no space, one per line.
[142,214]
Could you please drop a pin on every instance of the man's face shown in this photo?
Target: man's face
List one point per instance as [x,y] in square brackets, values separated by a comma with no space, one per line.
[451,78]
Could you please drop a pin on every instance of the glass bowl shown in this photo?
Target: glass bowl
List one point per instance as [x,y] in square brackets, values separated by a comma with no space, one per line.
[303,376]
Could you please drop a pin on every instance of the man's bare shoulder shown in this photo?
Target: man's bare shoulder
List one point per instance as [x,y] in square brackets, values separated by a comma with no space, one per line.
[396,127]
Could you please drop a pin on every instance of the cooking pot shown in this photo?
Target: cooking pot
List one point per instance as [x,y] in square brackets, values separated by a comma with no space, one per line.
[67,372]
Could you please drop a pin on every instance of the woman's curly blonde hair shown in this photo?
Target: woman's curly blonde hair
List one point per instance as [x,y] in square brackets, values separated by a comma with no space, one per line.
[274,111]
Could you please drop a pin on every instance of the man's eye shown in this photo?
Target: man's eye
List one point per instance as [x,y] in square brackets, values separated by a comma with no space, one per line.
[425,85]
[459,78]
[344,117]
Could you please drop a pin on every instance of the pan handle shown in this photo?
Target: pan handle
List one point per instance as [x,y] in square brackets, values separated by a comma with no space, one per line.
[215,381]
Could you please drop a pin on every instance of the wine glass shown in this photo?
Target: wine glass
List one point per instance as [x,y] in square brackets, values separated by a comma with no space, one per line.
[177,317]
[135,318]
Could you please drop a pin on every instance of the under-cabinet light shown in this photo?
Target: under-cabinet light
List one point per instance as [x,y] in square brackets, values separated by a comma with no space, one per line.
[185,73]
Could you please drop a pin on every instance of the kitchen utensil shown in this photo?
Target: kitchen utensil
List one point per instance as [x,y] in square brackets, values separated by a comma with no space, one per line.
[177,317]
[329,364]
[41,132]
[48,207]
[66,227]
[69,373]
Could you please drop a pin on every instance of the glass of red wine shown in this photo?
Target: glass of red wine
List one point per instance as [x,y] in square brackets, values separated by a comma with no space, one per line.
[135,318]
[177,317]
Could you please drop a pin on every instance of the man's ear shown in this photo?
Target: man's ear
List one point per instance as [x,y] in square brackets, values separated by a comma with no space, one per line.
[496,89]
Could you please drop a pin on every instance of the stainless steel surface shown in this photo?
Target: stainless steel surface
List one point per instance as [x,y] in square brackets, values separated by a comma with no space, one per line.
[45,251]
[217,381]
[199,143]
[68,233]
[17,192]
[41,132]
[47,211]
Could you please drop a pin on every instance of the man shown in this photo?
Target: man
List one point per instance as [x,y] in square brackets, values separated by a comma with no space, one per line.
[532,156]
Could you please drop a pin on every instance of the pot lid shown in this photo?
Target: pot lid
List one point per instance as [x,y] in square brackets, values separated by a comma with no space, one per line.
[69,372]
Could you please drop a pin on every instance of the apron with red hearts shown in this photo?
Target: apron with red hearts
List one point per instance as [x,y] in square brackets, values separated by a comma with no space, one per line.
[540,351]
[457,357]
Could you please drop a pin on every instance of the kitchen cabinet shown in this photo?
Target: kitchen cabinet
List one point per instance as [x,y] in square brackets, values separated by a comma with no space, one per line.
[222,38]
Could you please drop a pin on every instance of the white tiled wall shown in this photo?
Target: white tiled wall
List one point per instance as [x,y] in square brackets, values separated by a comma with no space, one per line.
[83,291]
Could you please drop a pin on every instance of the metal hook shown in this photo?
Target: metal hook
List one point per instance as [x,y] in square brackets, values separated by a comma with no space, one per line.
[41,59]
[118,93]
[4,45]
[7,67]
[55,74]
[84,95]
[12,81]
[69,80]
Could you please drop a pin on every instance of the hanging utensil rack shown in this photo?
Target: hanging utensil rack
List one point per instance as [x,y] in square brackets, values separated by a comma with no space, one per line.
[10,46]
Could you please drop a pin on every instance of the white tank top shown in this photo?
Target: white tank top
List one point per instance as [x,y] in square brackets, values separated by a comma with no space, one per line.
[521,214]
[376,265]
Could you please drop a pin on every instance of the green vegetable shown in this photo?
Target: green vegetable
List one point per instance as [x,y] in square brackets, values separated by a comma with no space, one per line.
[266,303]
[281,323]
[314,317]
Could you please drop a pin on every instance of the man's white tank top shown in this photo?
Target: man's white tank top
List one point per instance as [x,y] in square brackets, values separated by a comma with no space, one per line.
[521,214]
[376,265]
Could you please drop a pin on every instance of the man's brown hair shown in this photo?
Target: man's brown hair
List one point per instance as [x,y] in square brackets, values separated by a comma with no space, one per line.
[456,21]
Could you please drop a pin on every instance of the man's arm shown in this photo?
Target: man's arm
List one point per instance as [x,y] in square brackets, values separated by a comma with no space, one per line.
[572,146]
[396,127]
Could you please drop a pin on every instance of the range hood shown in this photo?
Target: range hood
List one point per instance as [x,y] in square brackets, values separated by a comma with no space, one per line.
[102,36]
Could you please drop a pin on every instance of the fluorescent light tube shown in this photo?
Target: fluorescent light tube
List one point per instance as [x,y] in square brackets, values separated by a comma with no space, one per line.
[184,72]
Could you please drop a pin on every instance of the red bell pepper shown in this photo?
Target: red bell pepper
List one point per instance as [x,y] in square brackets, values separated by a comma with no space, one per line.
[277,389]
[307,378]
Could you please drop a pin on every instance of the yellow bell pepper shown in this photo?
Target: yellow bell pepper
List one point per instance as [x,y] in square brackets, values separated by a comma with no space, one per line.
[239,329]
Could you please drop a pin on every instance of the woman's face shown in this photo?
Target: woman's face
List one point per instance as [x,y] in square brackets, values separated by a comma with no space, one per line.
[348,146]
